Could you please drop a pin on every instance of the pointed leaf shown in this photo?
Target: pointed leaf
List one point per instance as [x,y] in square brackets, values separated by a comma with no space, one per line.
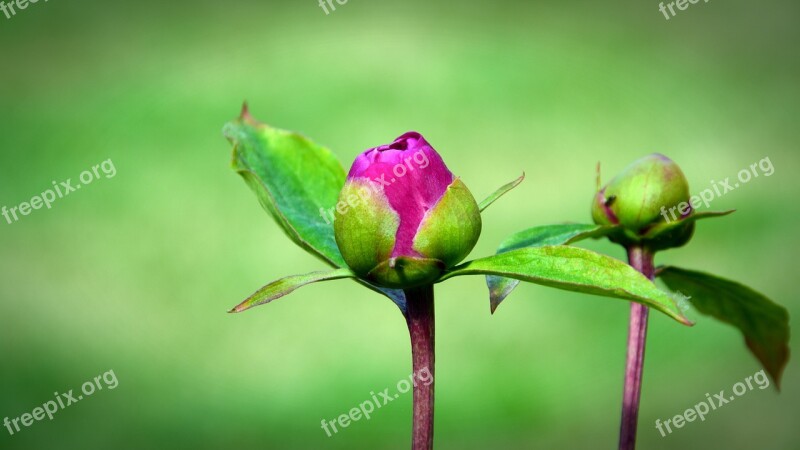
[764,324]
[664,227]
[561,234]
[574,269]
[279,288]
[500,192]
[293,178]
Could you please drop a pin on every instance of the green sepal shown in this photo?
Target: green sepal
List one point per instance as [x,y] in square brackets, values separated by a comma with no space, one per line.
[450,230]
[665,227]
[405,272]
[663,235]
[365,226]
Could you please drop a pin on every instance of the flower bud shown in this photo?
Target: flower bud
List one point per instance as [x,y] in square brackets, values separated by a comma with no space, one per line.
[402,217]
[639,198]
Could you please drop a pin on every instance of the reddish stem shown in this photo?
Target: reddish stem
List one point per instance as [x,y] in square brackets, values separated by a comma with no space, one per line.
[642,260]
[420,319]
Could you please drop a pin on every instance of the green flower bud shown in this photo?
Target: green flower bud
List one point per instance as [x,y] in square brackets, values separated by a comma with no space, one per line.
[640,198]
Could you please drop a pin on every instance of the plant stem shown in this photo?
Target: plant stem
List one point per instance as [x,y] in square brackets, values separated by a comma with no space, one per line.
[642,260]
[420,319]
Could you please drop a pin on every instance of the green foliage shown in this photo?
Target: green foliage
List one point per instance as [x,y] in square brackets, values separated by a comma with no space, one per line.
[287,285]
[574,269]
[561,234]
[293,178]
[764,324]
[500,192]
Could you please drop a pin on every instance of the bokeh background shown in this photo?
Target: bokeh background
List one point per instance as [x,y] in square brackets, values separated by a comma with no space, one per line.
[135,273]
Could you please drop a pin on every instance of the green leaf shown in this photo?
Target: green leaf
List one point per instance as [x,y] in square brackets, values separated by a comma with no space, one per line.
[561,234]
[764,324]
[279,288]
[500,192]
[293,178]
[574,269]
[664,227]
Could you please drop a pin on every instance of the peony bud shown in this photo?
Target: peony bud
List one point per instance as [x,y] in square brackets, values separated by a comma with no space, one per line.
[402,217]
[641,196]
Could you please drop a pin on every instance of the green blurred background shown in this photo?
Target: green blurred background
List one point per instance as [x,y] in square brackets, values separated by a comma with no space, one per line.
[136,272]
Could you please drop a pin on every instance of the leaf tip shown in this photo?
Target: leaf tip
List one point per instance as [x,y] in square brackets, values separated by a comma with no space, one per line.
[246,118]
[776,374]
[245,114]
[598,181]
[500,192]
[238,308]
